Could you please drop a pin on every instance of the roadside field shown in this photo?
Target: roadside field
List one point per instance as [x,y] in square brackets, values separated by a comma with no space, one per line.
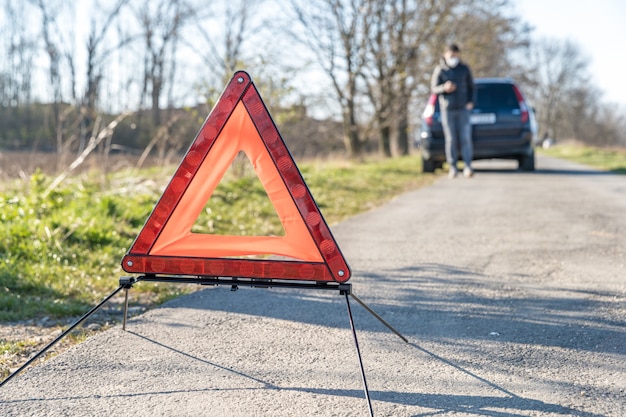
[62,246]
[610,159]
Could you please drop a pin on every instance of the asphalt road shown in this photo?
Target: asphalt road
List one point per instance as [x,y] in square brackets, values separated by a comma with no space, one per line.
[510,286]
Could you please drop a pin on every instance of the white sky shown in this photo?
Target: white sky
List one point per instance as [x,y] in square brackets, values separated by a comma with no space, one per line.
[597,26]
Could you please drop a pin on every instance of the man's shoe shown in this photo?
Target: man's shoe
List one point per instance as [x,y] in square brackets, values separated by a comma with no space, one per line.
[468,172]
[452,173]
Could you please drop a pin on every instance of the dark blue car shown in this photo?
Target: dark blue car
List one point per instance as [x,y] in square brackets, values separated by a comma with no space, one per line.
[503,126]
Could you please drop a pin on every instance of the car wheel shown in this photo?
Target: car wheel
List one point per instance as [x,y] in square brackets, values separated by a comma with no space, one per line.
[428,165]
[527,162]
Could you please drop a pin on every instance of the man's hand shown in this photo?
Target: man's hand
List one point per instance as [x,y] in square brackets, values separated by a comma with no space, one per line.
[449,86]
[469,106]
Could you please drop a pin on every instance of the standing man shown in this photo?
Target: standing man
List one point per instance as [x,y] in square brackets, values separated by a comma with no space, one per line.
[452,82]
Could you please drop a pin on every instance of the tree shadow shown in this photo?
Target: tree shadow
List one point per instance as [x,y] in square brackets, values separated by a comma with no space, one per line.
[459,299]
[479,405]
[580,172]
[553,171]
[458,302]
[437,302]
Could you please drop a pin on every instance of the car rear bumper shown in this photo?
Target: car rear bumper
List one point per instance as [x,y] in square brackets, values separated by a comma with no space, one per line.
[433,149]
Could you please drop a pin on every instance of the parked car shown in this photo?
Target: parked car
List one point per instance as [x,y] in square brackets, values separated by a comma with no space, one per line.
[503,126]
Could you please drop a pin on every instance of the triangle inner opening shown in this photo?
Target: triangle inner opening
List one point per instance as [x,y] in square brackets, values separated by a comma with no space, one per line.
[239,206]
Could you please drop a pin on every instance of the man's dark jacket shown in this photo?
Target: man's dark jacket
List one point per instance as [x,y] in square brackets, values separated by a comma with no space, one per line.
[459,75]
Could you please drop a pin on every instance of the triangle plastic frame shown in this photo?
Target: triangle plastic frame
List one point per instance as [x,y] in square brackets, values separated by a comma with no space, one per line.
[165,245]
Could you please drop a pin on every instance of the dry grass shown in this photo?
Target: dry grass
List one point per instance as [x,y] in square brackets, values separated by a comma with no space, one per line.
[21,164]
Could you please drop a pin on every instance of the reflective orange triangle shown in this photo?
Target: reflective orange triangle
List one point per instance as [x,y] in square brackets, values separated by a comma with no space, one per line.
[176,238]
[166,244]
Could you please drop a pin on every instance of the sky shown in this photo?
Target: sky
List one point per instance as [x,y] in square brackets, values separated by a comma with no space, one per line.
[597,26]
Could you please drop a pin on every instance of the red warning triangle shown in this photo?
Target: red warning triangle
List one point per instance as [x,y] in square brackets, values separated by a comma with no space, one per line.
[166,245]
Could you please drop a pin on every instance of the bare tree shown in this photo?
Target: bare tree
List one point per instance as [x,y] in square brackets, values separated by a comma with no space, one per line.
[248,40]
[402,40]
[99,49]
[223,52]
[336,32]
[16,72]
[404,35]
[502,35]
[57,47]
[49,13]
[588,119]
[421,24]
[568,104]
[161,23]
[555,70]
[74,112]
[380,72]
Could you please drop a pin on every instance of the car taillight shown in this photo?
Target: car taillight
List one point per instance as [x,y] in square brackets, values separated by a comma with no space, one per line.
[522,104]
[429,111]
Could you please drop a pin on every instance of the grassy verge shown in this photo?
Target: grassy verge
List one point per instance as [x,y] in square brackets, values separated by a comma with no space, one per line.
[61,250]
[613,160]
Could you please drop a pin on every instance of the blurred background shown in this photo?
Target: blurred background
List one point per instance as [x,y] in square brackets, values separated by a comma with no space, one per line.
[133,80]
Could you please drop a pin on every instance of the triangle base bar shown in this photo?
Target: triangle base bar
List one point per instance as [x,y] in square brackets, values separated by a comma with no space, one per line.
[226,267]
[248,282]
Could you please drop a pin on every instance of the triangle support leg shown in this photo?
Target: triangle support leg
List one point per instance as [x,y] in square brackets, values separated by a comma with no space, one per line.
[125,309]
[358,352]
[62,335]
[373,313]
[127,284]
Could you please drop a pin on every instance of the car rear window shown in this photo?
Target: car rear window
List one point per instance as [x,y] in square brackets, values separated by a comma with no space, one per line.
[496,97]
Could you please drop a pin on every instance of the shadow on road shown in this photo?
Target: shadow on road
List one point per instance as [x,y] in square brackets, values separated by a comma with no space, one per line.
[436,303]
[583,172]
[459,303]
[438,403]
[446,304]
[552,171]
[443,301]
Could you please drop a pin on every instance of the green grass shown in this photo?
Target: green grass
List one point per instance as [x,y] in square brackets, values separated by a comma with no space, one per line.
[60,253]
[11,348]
[613,160]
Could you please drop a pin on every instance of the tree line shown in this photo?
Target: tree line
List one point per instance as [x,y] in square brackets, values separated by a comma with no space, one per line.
[353,72]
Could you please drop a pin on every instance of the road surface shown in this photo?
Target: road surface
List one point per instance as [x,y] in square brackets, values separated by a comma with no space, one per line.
[510,287]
